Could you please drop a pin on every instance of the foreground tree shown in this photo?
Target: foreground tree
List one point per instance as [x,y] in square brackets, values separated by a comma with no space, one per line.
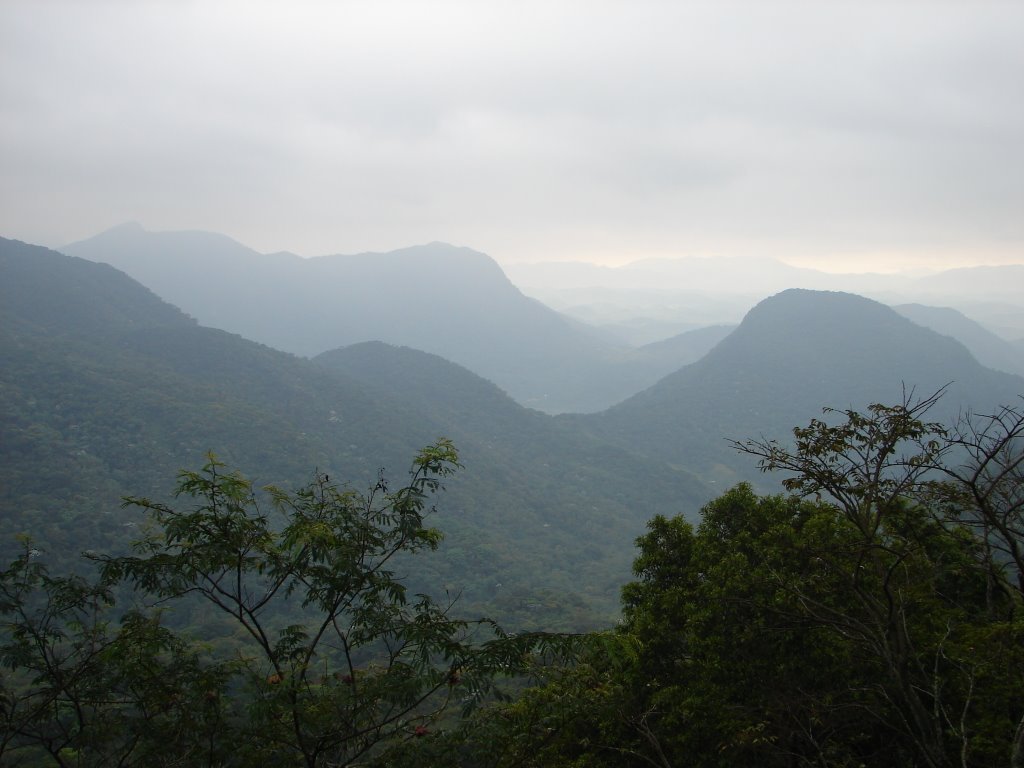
[985,484]
[870,618]
[914,492]
[333,662]
[79,688]
[970,475]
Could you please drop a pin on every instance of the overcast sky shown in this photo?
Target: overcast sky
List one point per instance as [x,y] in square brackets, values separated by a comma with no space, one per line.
[846,135]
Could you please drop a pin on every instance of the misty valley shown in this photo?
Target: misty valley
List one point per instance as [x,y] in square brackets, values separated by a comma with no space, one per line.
[400,509]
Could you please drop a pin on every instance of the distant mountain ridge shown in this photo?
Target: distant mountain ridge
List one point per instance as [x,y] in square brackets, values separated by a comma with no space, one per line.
[721,290]
[737,275]
[447,300]
[990,350]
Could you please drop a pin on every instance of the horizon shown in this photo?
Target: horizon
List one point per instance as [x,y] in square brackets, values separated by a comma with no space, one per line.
[826,268]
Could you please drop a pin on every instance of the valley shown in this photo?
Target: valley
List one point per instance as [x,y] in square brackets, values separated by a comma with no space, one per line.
[110,389]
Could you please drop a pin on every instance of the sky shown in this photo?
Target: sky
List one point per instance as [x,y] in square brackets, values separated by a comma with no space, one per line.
[848,136]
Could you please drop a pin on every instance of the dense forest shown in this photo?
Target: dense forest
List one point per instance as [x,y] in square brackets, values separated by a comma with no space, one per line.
[872,616]
[846,592]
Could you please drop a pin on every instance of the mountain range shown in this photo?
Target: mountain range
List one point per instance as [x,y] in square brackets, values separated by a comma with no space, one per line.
[108,389]
[449,301]
[458,303]
[641,299]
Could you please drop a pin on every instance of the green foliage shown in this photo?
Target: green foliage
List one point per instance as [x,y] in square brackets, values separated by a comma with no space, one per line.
[880,625]
[575,713]
[79,689]
[336,663]
[868,464]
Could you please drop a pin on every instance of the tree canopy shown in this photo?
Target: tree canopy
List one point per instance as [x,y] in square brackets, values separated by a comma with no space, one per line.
[315,653]
[873,615]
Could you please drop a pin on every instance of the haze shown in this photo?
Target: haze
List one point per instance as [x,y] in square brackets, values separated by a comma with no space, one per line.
[844,136]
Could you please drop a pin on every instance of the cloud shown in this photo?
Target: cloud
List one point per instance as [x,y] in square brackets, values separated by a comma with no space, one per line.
[529,130]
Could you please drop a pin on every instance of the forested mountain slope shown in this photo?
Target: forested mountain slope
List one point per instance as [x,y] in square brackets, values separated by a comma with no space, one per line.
[109,391]
[486,422]
[793,354]
[990,350]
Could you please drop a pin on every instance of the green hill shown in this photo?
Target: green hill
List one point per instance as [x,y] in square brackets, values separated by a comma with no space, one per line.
[793,354]
[108,391]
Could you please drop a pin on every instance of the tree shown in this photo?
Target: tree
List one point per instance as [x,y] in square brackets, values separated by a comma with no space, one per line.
[915,494]
[82,689]
[984,491]
[985,483]
[577,711]
[787,631]
[738,667]
[334,664]
[853,622]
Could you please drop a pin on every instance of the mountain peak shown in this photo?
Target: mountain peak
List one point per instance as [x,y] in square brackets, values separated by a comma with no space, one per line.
[128,226]
[144,242]
[806,312]
[830,333]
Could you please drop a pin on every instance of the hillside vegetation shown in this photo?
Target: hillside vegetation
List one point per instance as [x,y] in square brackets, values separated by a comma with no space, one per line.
[278,591]
[108,392]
